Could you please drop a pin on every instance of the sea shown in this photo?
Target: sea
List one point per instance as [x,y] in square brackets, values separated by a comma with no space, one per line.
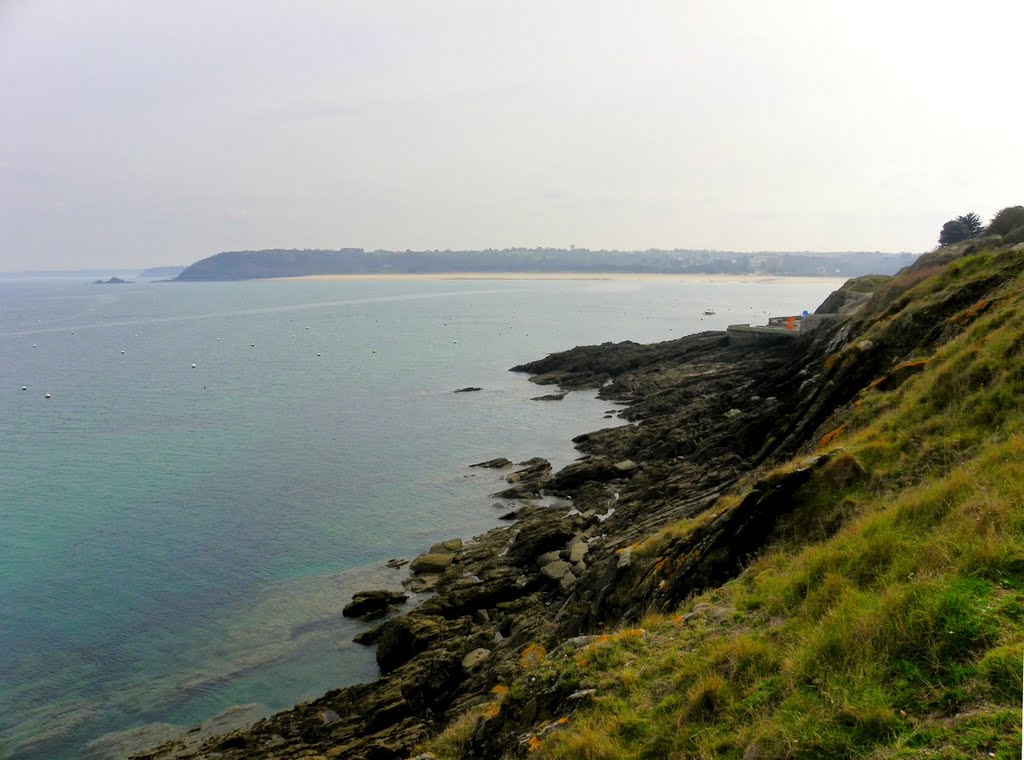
[196,477]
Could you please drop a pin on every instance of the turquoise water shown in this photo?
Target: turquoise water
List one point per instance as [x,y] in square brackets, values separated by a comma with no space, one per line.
[176,541]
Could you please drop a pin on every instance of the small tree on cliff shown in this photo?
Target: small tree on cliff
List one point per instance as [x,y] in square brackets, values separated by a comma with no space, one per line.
[962,228]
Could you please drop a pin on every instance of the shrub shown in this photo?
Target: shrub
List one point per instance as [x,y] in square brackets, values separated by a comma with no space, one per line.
[1006,221]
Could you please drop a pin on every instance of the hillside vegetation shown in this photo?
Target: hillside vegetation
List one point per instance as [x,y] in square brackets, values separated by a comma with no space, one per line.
[882,614]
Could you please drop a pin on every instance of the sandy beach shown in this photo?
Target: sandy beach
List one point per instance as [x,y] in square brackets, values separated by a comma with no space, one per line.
[622,276]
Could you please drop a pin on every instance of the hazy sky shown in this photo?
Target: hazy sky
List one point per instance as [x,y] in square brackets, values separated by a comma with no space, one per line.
[147,132]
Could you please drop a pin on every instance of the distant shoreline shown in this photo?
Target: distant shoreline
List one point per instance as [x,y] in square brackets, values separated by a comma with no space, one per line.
[616,276]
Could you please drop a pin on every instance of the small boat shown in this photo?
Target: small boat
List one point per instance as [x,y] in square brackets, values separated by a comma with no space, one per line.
[709,312]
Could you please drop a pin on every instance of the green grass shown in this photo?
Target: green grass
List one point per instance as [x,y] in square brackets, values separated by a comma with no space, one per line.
[885,619]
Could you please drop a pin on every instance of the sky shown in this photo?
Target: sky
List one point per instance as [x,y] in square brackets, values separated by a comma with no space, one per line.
[161,132]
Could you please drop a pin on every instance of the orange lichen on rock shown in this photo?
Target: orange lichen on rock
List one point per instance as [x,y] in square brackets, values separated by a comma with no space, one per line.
[831,436]
[532,655]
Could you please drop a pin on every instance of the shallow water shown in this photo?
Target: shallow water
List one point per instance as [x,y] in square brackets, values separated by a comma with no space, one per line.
[176,541]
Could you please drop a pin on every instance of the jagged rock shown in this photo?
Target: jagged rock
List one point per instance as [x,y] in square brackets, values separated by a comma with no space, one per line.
[467,389]
[549,397]
[537,538]
[494,464]
[431,563]
[394,564]
[534,470]
[566,582]
[373,603]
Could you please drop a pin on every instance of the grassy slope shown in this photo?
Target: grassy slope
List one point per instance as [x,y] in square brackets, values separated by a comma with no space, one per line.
[886,616]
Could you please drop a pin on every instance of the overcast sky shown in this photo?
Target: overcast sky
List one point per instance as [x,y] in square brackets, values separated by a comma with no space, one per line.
[156,132]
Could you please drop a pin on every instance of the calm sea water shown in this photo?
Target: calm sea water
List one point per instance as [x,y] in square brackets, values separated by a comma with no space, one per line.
[178,540]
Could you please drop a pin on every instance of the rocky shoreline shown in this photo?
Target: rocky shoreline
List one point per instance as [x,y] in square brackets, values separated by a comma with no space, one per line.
[708,412]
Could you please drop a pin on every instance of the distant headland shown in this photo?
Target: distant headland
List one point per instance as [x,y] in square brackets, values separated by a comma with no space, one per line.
[277,263]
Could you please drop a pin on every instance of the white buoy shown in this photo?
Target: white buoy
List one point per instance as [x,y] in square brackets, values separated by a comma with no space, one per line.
[318,354]
[24,387]
[252,345]
[193,366]
[33,345]
[47,396]
[122,353]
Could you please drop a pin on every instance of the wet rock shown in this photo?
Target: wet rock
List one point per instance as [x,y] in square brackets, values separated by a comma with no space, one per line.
[549,397]
[532,461]
[467,389]
[394,564]
[373,603]
[534,470]
[494,464]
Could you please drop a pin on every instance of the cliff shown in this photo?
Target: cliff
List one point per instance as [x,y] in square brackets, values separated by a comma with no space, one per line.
[808,547]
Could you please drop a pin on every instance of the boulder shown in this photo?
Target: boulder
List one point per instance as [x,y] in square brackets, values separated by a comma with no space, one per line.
[566,582]
[404,637]
[578,550]
[549,397]
[626,467]
[431,563]
[373,603]
[473,660]
[450,546]
[536,538]
[576,474]
[555,570]
[548,557]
